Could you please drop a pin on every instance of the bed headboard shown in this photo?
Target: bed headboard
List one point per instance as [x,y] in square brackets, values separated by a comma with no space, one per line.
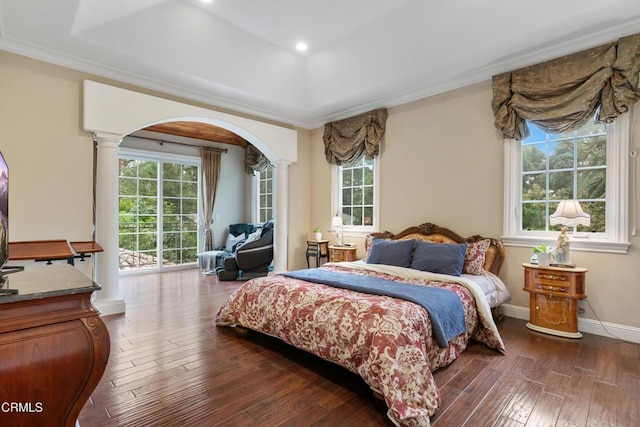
[494,256]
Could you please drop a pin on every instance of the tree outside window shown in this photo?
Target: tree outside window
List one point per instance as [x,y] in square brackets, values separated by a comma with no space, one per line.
[556,167]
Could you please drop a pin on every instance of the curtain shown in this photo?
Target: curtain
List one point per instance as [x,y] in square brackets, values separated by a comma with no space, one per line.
[209,186]
[254,160]
[347,141]
[562,94]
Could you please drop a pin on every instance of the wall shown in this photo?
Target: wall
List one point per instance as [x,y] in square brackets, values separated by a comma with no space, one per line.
[442,162]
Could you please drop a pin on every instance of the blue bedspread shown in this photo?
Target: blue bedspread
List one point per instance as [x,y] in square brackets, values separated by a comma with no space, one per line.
[444,306]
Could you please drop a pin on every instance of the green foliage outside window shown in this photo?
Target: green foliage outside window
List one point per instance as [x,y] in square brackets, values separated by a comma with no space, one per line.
[556,167]
[139,217]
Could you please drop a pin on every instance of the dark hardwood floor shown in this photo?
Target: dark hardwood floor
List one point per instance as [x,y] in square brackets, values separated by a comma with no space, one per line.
[171,366]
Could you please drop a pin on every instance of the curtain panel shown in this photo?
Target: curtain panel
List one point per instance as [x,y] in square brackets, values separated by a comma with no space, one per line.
[254,160]
[562,94]
[347,141]
[210,171]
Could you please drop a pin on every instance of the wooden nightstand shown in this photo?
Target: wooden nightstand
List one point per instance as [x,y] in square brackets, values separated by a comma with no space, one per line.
[553,301]
[342,253]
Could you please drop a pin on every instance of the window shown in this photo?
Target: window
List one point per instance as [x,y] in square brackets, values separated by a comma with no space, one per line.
[158,211]
[356,195]
[588,165]
[265,194]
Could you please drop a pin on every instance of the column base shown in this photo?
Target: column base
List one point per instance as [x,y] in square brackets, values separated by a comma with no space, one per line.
[109,306]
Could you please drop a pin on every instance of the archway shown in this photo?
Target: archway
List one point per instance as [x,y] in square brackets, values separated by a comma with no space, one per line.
[111,113]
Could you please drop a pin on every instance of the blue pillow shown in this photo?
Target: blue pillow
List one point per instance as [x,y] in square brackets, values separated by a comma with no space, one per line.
[443,258]
[391,252]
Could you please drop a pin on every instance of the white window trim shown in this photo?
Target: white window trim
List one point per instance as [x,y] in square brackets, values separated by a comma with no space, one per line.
[359,230]
[616,240]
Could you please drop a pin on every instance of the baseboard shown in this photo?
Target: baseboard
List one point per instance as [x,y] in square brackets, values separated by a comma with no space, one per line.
[109,306]
[590,326]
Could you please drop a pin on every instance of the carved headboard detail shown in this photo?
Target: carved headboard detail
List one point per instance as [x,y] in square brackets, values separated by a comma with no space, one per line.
[494,257]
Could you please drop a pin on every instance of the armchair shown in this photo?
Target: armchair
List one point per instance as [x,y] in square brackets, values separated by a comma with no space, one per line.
[253,257]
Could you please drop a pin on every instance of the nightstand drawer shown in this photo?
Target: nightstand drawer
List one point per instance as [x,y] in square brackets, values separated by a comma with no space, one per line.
[552,277]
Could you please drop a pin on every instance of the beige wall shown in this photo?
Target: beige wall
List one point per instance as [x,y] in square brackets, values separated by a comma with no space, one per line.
[48,153]
[442,162]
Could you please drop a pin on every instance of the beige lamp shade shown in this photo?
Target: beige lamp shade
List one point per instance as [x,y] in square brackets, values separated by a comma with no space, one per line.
[569,213]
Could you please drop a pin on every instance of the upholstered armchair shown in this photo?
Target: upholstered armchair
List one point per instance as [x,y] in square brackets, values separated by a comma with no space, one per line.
[251,257]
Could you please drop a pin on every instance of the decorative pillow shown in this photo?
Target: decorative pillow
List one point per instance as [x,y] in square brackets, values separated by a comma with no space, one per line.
[232,241]
[254,236]
[391,252]
[475,257]
[368,243]
[443,258]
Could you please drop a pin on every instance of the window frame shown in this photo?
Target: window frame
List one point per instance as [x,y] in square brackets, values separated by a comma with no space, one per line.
[616,238]
[257,178]
[336,201]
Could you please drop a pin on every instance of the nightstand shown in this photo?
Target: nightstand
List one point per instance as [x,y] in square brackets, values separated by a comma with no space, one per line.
[342,253]
[553,301]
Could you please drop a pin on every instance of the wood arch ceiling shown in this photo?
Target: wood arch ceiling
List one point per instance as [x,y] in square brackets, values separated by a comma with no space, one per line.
[197,130]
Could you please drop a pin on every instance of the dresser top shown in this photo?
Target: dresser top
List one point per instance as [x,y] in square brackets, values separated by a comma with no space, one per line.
[44,282]
[553,267]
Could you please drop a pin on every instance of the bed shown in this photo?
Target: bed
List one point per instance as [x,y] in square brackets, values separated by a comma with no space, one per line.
[392,342]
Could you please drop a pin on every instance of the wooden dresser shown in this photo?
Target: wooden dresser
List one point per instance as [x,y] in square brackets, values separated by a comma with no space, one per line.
[53,345]
[553,301]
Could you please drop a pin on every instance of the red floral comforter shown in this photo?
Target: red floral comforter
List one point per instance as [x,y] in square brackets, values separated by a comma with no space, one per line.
[387,341]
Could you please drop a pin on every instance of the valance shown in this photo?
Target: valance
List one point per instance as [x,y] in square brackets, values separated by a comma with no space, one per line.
[347,141]
[562,94]
[254,160]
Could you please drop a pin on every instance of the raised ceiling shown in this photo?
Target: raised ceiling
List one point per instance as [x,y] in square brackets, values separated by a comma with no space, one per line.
[363,54]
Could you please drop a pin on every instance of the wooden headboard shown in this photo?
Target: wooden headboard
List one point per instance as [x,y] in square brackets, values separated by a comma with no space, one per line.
[494,256]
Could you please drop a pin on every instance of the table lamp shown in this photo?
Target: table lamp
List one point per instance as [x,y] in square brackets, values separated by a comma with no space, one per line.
[568,213]
[337,226]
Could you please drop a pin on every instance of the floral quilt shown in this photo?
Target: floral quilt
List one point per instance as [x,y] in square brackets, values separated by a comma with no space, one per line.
[387,341]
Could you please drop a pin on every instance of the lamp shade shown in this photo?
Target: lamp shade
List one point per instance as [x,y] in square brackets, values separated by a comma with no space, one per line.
[336,221]
[570,213]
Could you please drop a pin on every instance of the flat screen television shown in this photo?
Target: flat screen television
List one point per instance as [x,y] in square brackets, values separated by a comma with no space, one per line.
[4,211]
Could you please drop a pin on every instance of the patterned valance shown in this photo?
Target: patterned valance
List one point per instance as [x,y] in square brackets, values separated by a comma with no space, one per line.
[347,141]
[254,160]
[562,94]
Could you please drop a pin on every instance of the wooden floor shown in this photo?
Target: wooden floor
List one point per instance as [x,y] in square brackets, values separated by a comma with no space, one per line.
[171,366]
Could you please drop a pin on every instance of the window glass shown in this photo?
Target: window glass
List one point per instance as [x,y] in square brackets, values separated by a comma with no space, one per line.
[570,165]
[153,237]
[265,194]
[357,194]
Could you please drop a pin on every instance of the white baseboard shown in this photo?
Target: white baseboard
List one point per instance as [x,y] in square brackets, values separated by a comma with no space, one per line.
[109,306]
[590,326]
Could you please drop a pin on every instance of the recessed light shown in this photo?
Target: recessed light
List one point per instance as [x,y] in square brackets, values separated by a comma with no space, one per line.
[302,46]
[206,1]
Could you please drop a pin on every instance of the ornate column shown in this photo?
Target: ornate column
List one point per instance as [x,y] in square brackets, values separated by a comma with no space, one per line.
[108,300]
[280,248]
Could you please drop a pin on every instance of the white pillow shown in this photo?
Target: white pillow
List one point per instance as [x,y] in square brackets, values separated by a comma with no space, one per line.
[253,236]
[232,241]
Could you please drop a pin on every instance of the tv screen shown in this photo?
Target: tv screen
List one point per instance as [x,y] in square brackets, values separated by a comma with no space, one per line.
[4,212]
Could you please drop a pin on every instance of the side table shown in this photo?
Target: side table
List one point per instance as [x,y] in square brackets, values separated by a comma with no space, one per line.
[553,300]
[342,253]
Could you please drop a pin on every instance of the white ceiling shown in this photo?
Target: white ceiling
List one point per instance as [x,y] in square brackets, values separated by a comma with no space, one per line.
[363,54]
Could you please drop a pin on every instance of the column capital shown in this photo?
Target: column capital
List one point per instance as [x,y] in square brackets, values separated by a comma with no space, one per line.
[105,137]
